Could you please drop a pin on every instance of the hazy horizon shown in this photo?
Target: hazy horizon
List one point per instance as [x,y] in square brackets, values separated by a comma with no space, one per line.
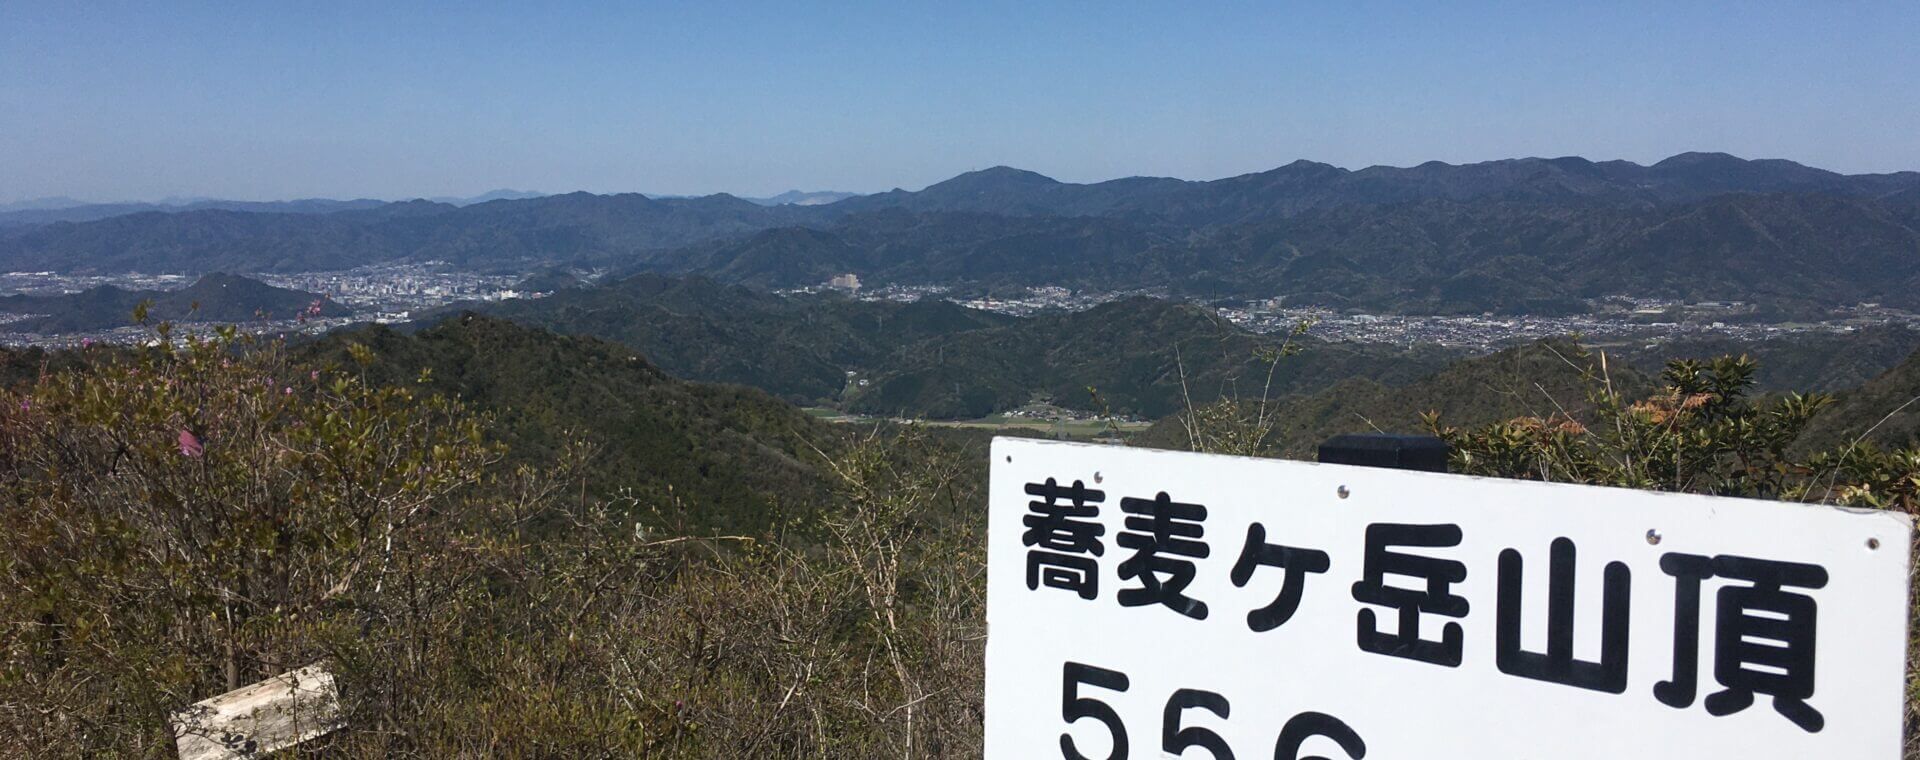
[186,200]
[124,102]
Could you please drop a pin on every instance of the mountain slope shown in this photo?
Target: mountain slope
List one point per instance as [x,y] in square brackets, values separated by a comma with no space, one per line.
[800,348]
[1806,251]
[699,457]
[579,228]
[1306,185]
[213,298]
[804,198]
[1514,235]
[1885,411]
[931,248]
[1442,256]
[1143,356]
[937,359]
[1803,362]
[1542,379]
[56,211]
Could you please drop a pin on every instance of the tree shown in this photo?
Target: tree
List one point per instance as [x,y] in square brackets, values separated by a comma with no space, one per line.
[199,514]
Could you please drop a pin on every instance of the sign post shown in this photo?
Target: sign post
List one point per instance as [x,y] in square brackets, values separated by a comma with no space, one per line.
[1165,604]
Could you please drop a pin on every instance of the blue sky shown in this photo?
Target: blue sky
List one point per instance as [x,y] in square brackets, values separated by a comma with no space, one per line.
[260,100]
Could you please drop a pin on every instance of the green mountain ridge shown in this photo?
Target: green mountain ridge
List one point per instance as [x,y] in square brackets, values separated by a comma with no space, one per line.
[1142,356]
[213,298]
[1812,361]
[933,358]
[799,348]
[1513,235]
[1545,379]
[1883,411]
[705,456]
[1804,252]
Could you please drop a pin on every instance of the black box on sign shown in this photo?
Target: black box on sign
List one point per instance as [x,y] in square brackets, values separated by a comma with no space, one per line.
[1402,452]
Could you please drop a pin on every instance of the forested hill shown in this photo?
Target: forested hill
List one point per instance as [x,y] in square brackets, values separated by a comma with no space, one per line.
[576,228]
[1513,235]
[1137,356]
[699,457]
[1884,411]
[213,298]
[1557,379]
[87,212]
[932,358]
[1545,379]
[1804,362]
[1794,251]
[898,246]
[800,348]
[1304,185]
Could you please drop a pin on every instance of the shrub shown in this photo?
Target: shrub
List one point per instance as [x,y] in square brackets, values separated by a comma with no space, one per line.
[200,514]
[1702,433]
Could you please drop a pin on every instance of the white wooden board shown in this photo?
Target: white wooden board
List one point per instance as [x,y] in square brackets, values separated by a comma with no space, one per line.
[254,720]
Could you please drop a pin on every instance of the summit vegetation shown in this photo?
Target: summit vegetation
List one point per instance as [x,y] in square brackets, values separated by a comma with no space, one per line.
[507,541]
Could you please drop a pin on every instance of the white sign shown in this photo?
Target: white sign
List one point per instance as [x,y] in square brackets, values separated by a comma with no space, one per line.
[1163,604]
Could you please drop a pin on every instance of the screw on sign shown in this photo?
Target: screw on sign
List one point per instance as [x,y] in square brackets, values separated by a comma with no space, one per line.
[1426,615]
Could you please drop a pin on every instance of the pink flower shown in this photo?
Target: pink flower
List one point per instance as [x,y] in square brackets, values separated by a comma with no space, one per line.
[86,342]
[314,375]
[289,390]
[189,445]
[25,404]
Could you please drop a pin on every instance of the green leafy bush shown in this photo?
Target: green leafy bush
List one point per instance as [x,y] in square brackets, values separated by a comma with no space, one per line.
[1701,432]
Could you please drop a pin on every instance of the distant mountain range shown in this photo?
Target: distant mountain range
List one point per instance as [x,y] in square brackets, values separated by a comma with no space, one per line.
[1520,236]
[576,228]
[788,198]
[48,211]
[502,194]
[41,204]
[38,211]
[213,298]
[805,198]
[1303,185]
